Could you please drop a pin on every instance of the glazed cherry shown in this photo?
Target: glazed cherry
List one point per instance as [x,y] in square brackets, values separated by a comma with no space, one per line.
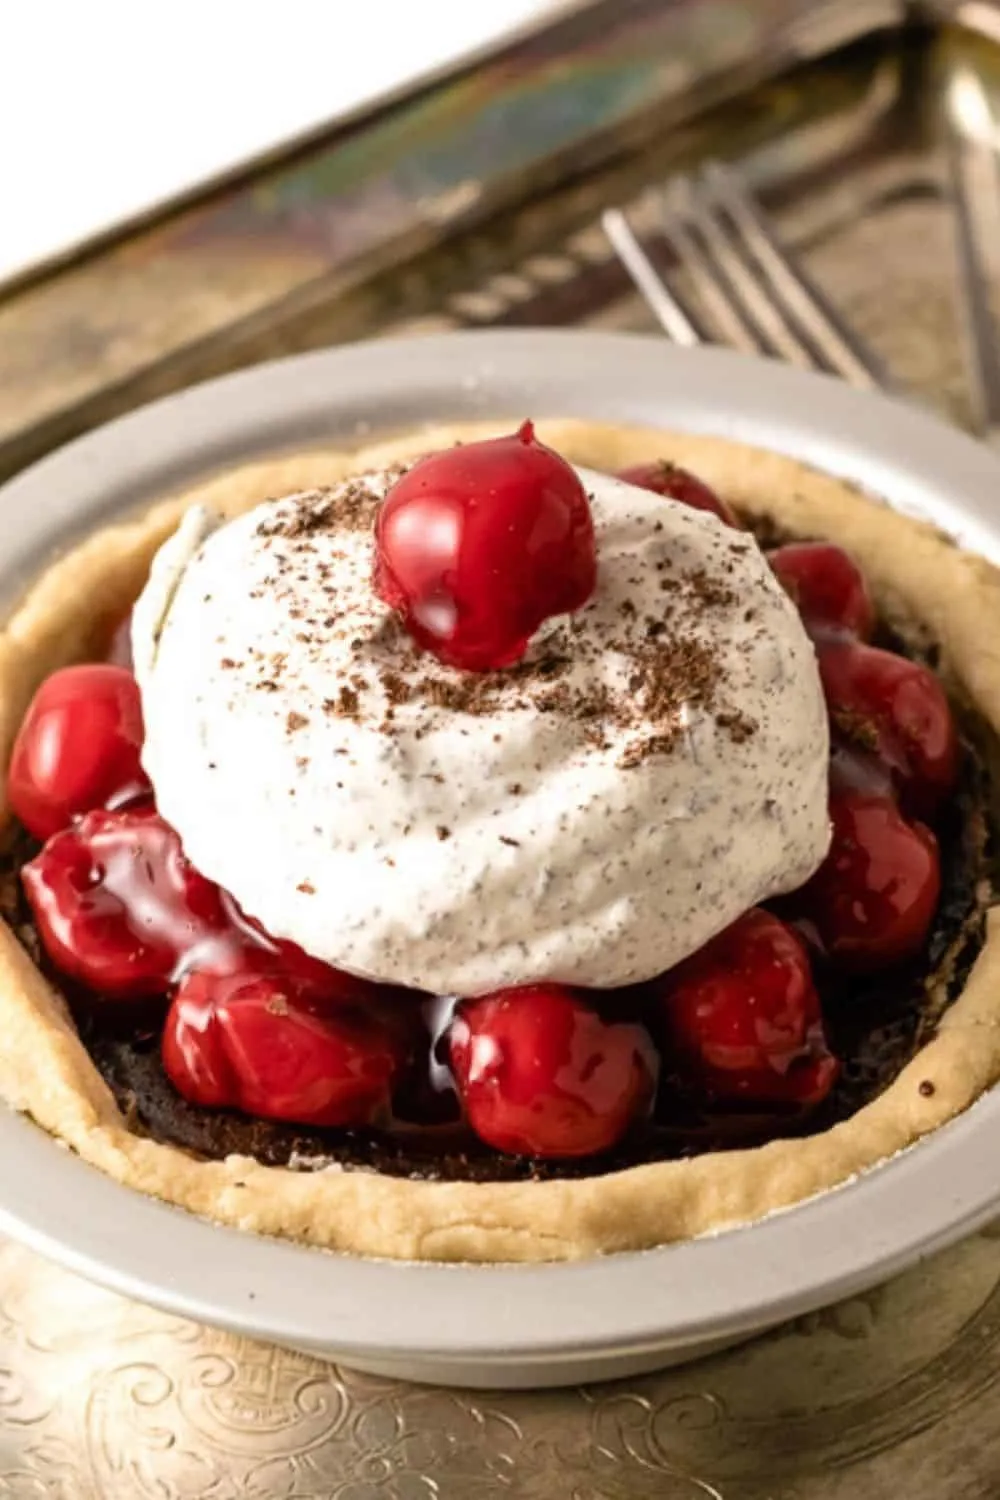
[258,1043]
[873,899]
[477,546]
[118,907]
[121,909]
[741,1018]
[827,587]
[853,769]
[246,945]
[678,484]
[897,709]
[77,748]
[539,1073]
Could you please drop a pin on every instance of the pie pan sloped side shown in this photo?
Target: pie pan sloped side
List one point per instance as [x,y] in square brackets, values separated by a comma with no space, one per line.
[501,1325]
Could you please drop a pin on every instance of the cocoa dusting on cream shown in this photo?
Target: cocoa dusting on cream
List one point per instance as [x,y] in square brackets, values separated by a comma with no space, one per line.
[348,507]
[646,732]
[670,673]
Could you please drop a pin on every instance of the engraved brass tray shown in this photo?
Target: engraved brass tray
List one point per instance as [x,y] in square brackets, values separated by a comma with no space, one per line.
[891,1393]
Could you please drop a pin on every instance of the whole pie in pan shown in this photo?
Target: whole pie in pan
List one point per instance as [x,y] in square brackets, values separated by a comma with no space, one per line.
[501,844]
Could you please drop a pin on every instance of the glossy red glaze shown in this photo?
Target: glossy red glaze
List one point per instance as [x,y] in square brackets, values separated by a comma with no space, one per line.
[118,906]
[897,709]
[77,748]
[678,484]
[478,545]
[741,1018]
[540,1073]
[258,1043]
[855,770]
[827,586]
[873,899]
[121,909]
[249,947]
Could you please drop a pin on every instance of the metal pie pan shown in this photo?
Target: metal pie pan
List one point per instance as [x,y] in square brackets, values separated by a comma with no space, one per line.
[502,1325]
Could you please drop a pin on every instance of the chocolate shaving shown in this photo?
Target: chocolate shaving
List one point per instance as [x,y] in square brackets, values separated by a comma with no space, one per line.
[711,594]
[349,507]
[345,704]
[739,725]
[670,667]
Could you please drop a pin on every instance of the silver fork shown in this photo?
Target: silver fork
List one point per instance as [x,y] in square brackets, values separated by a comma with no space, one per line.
[758,296]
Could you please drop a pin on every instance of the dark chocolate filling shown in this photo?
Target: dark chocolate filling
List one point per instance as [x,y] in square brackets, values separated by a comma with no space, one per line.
[874,1025]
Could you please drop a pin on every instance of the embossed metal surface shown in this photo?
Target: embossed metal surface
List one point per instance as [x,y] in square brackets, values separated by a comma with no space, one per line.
[889,1395]
[894,1394]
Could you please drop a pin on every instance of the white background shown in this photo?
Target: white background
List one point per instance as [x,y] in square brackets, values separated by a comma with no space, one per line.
[108,108]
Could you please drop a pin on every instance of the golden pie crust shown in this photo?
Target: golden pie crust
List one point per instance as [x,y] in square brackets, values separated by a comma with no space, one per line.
[917,576]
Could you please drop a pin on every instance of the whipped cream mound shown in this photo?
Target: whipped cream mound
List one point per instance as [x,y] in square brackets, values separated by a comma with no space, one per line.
[656,764]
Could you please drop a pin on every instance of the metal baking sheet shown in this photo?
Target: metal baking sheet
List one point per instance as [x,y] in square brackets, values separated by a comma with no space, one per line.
[206,288]
[851,161]
[893,1393]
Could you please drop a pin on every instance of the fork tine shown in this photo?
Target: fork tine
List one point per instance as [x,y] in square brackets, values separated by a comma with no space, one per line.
[975,188]
[726,281]
[759,299]
[724,312]
[832,344]
[658,297]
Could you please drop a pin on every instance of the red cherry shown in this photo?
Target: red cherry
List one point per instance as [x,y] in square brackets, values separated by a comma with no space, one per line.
[873,898]
[827,586]
[122,910]
[248,946]
[678,484]
[741,1017]
[118,906]
[478,545]
[256,1043]
[898,709]
[77,748]
[541,1074]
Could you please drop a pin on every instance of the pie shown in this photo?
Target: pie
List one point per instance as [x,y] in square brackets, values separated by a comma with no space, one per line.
[574,873]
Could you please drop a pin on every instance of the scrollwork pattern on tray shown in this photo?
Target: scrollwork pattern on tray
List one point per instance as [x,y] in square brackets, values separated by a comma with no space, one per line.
[101,1399]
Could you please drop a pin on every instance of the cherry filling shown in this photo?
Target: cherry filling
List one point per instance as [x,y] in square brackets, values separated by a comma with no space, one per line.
[118,906]
[827,586]
[541,1073]
[266,1045]
[741,1018]
[898,709]
[78,748]
[873,899]
[122,911]
[249,1023]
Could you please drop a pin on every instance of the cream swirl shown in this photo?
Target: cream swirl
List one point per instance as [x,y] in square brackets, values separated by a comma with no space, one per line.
[654,767]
